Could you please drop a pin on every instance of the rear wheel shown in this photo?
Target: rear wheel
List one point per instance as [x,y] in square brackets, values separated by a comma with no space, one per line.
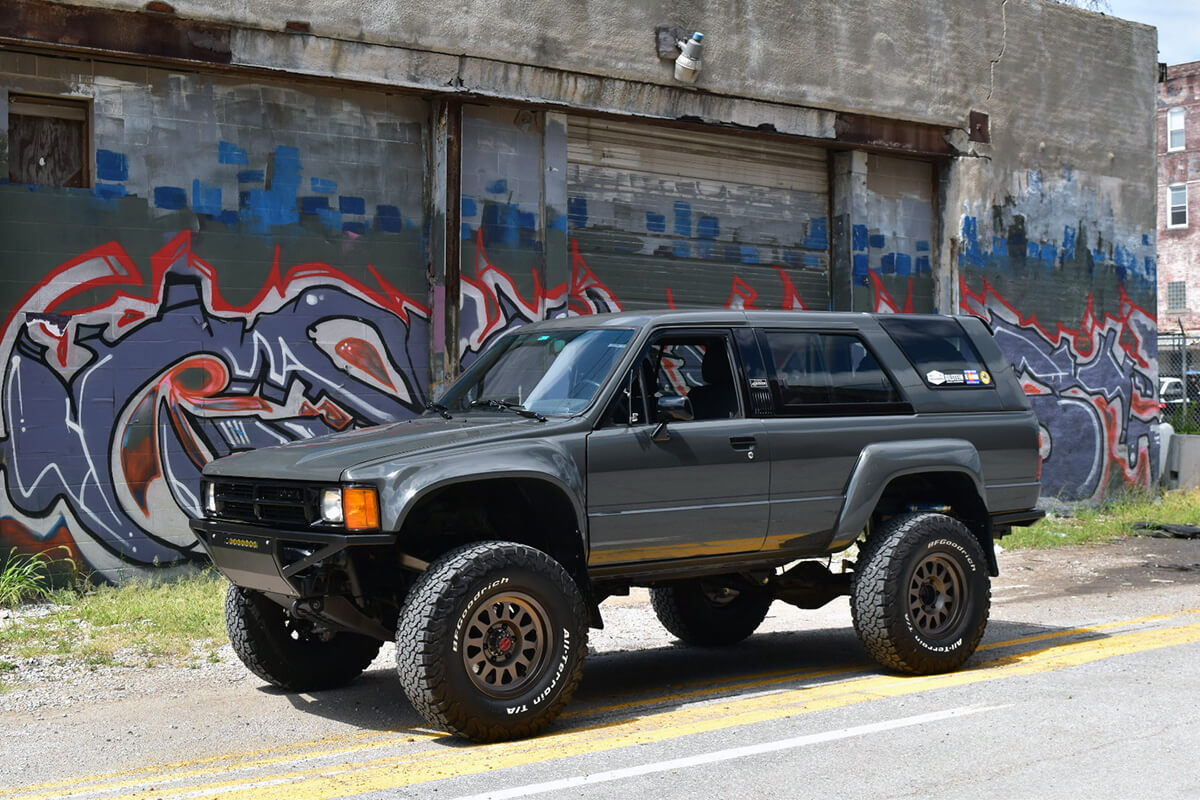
[491,641]
[921,594]
[292,653]
[710,611]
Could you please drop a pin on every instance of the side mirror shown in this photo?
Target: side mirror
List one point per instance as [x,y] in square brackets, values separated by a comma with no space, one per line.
[671,409]
[674,408]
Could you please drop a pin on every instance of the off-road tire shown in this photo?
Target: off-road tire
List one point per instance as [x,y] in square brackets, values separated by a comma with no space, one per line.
[698,613]
[921,594]
[491,641]
[291,653]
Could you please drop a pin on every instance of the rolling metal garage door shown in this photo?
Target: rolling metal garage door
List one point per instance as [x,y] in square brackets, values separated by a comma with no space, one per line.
[666,216]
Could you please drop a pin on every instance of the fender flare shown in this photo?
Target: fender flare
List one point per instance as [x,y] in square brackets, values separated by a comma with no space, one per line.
[882,462]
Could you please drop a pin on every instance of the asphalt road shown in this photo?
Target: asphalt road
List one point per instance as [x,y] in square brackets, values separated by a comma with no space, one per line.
[1087,685]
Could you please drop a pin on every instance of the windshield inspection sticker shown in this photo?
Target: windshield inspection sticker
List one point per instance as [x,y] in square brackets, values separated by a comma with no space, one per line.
[935,377]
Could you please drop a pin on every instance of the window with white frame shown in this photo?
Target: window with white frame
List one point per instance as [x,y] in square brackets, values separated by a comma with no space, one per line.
[1177,296]
[1178,211]
[1175,134]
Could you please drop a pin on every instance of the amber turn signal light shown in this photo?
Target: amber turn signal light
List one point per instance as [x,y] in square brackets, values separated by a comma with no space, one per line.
[361,505]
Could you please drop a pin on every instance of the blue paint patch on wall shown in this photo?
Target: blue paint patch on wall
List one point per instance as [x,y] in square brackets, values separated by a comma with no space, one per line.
[556,222]
[251,176]
[1068,242]
[469,207]
[206,199]
[352,205]
[230,153]
[330,218]
[505,223]
[266,208]
[312,205]
[708,228]
[388,219]
[972,253]
[467,232]
[170,197]
[903,264]
[749,254]
[1048,253]
[109,191]
[887,264]
[322,186]
[682,250]
[656,223]
[1146,239]
[999,246]
[922,246]
[577,211]
[1032,249]
[499,186]
[923,265]
[878,240]
[859,237]
[111,166]
[818,234]
[862,269]
[683,219]
[230,217]
[812,261]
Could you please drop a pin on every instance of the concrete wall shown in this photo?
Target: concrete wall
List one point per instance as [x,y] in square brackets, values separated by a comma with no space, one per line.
[263,252]
[249,268]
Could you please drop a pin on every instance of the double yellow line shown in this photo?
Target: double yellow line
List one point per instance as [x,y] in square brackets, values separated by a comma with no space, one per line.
[331,773]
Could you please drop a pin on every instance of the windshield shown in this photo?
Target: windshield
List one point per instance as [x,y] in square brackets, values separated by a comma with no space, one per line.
[555,372]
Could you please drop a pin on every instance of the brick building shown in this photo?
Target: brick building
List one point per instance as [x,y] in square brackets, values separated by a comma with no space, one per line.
[1179,199]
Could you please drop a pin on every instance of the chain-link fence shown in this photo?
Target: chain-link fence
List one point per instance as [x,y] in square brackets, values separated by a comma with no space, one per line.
[1179,380]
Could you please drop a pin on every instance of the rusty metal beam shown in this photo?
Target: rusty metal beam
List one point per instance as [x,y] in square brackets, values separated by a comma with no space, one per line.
[98,30]
[893,135]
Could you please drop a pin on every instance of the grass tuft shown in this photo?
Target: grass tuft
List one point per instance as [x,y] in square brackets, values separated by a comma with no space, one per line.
[25,577]
[1111,520]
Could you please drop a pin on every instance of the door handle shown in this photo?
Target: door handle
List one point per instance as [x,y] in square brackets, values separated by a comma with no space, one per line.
[742,442]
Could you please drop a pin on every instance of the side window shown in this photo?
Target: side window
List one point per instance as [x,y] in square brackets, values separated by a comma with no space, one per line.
[698,366]
[940,350]
[47,141]
[821,373]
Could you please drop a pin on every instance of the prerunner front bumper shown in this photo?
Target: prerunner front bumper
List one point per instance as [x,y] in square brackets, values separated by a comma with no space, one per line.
[268,560]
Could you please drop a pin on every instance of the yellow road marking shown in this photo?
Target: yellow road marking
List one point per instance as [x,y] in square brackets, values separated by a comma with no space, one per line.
[390,773]
[374,740]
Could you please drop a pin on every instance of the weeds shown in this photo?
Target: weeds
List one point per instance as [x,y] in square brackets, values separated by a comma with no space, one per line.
[1111,520]
[31,576]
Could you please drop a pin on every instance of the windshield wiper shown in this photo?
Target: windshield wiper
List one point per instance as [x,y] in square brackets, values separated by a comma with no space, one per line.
[439,408]
[520,409]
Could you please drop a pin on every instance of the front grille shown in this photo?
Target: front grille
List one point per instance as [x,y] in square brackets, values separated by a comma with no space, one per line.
[269,503]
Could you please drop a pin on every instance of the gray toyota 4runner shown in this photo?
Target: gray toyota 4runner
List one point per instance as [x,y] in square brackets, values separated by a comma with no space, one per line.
[718,458]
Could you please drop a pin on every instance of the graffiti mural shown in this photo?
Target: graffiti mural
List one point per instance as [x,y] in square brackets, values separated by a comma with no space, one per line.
[1071,301]
[122,384]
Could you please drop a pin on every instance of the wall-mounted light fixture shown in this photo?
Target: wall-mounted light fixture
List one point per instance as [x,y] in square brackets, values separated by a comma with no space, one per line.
[687,65]
[673,42]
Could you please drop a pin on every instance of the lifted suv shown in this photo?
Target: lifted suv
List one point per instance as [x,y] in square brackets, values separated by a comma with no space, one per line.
[702,454]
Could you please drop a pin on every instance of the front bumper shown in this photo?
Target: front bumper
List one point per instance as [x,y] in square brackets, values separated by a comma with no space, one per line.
[267,560]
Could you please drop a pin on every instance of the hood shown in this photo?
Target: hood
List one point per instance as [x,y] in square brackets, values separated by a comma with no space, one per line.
[326,457]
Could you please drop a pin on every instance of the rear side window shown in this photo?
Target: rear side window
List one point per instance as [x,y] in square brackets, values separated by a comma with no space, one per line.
[826,373]
[940,350]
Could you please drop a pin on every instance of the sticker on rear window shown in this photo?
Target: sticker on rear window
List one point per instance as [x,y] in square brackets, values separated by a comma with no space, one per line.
[936,377]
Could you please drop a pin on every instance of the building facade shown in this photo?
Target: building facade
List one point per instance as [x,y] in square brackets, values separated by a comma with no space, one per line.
[230,224]
[1179,199]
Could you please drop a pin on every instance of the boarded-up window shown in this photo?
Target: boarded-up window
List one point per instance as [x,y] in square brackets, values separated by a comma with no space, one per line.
[47,141]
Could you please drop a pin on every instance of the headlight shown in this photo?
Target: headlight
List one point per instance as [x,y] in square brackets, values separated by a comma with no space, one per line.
[331,506]
[210,499]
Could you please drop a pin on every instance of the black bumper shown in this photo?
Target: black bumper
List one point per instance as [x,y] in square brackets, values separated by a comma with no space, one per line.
[267,560]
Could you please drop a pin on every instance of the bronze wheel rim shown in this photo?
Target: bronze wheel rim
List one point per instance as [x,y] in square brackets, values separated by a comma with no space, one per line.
[506,643]
[936,595]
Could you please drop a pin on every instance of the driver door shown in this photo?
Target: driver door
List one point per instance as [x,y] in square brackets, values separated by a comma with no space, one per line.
[687,488]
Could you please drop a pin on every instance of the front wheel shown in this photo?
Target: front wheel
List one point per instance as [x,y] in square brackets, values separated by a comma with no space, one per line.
[292,653]
[921,594]
[491,641]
